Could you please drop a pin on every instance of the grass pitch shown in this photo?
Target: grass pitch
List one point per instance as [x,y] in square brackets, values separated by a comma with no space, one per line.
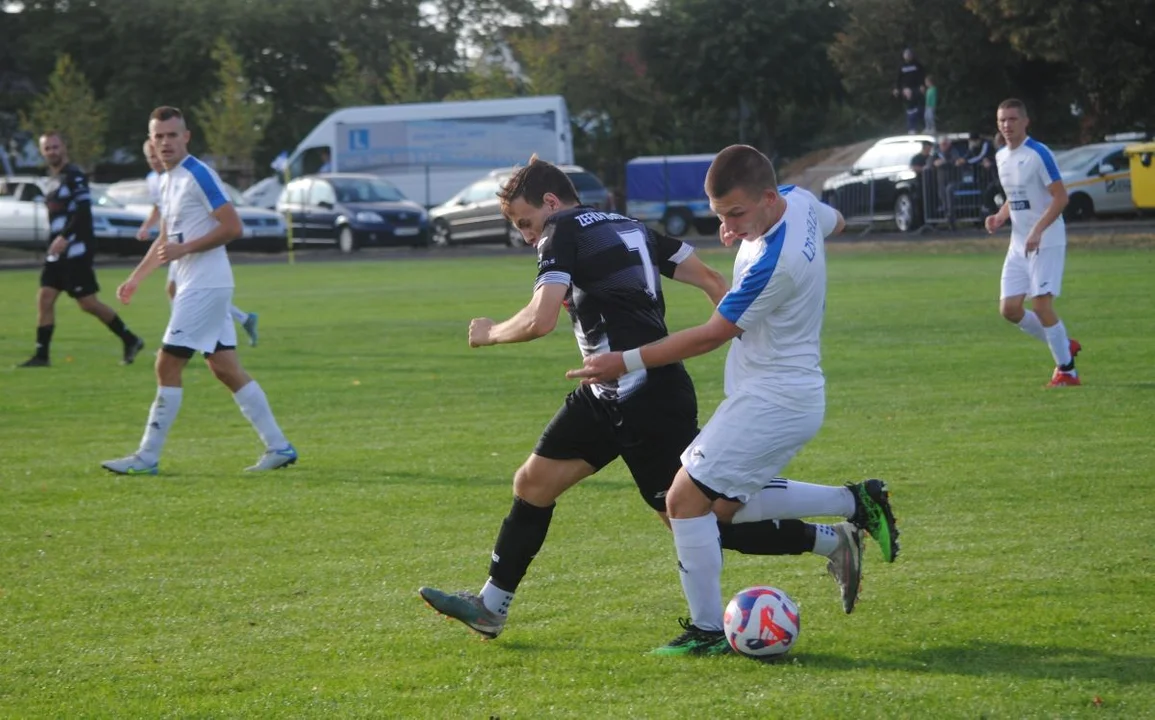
[1024,588]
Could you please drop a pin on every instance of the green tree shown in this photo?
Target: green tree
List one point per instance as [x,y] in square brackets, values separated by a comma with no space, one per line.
[69,106]
[230,120]
[354,84]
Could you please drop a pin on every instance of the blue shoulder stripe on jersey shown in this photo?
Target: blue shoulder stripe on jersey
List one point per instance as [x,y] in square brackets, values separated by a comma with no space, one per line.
[739,300]
[1048,159]
[785,189]
[204,180]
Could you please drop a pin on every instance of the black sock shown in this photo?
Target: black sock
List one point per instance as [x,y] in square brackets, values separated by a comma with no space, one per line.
[768,537]
[43,340]
[116,325]
[1068,367]
[522,534]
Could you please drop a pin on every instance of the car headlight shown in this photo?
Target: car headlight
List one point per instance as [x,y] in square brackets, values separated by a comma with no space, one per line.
[367,216]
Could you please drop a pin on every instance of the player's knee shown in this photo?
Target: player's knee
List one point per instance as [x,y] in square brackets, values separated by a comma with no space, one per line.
[685,499]
[1012,311]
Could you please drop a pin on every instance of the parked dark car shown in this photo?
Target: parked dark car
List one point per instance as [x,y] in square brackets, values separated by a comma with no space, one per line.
[352,211]
[882,187]
[473,215]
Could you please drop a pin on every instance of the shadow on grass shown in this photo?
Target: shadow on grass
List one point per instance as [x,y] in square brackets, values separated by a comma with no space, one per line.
[1001,659]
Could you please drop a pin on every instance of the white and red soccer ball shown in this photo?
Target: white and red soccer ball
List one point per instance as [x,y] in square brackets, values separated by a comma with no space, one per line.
[762,622]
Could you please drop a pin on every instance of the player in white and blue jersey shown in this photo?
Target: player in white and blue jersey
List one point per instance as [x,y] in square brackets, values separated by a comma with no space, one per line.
[775,389]
[197,221]
[247,320]
[1035,198]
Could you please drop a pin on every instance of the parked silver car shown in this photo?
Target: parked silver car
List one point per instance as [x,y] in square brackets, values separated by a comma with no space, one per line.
[474,214]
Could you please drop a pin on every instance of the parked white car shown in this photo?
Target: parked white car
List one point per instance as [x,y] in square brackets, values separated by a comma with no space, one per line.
[24,216]
[264,229]
[1098,180]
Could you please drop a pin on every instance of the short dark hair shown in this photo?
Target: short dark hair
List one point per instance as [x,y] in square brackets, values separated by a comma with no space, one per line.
[53,132]
[166,112]
[533,181]
[926,144]
[740,166]
[1013,104]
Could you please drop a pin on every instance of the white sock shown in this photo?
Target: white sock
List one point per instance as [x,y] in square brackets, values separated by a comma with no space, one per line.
[1031,325]
[700,568]
[825,540]
[786,499]
[160,418]
[255,406]
[496,600]
[238,314]
[1059,343]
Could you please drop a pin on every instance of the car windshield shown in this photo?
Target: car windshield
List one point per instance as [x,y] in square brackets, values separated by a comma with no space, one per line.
[130,193]
[1077,157]
[585,182]
[364,190]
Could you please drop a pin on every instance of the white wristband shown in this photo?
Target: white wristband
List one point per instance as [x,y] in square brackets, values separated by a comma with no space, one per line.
[633,360]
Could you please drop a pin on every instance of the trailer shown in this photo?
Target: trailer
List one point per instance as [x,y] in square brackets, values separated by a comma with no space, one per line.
[670,190]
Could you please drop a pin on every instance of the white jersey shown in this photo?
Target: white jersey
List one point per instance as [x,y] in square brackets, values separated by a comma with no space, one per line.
[1025,173]
[778,299]
[190,193]
[152,180]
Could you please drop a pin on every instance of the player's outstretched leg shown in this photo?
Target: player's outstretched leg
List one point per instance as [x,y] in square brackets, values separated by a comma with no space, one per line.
[845,564]
[466,608]
[872,513]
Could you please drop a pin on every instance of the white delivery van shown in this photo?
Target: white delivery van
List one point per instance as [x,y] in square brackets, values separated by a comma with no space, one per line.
[432,150]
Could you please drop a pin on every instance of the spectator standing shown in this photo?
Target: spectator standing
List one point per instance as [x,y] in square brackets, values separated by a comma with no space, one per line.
[931,105]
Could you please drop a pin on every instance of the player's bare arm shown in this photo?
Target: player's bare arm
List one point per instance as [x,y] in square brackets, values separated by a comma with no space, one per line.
[535,320]
[1058,203]
[688,343]
[996,221]
[152,219]
[693,271]
[151,261]
[228,228]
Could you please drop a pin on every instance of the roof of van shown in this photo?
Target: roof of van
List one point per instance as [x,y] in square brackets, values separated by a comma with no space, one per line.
[708,157]
[448,109]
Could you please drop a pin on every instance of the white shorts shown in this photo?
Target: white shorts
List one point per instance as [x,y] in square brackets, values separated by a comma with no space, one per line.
[747,443]
[1039,274]
[200,319]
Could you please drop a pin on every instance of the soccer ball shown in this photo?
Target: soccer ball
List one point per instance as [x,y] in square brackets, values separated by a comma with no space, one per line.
[762,623]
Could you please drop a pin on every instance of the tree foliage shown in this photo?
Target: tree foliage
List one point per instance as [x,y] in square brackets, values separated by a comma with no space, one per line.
[233,118]
[69,106]
[685,76]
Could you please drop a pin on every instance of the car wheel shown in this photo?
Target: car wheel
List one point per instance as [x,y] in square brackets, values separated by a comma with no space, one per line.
[1079,208]
[676,222]
[441,235]
[905,213]
[346,242]
[513,237]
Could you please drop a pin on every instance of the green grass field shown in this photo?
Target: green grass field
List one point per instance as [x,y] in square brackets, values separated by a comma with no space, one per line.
[1024,589]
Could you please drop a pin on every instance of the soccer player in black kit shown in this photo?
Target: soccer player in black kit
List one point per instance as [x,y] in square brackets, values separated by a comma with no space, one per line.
[604,269]
[68,264]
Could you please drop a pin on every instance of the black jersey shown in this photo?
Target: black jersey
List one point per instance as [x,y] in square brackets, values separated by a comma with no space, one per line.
[612,265]
[70,210]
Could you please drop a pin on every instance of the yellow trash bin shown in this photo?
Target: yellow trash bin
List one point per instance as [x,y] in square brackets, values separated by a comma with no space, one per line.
[1142,174]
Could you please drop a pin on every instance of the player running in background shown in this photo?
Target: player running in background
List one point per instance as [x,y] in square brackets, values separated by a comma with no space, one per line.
[68,265]
[248,321]
[197,221]
[604,269]
[775,389]
[1035,198]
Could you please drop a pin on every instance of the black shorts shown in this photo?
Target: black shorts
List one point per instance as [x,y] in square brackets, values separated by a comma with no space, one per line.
[649,430]
[74,276]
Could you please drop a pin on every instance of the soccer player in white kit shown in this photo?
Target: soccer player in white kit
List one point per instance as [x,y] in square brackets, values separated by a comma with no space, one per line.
[197,221]
[1035,198]
[775,389]
[248,321]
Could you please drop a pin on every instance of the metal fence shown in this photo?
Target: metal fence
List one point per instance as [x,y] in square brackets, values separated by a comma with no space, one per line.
[944,197]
